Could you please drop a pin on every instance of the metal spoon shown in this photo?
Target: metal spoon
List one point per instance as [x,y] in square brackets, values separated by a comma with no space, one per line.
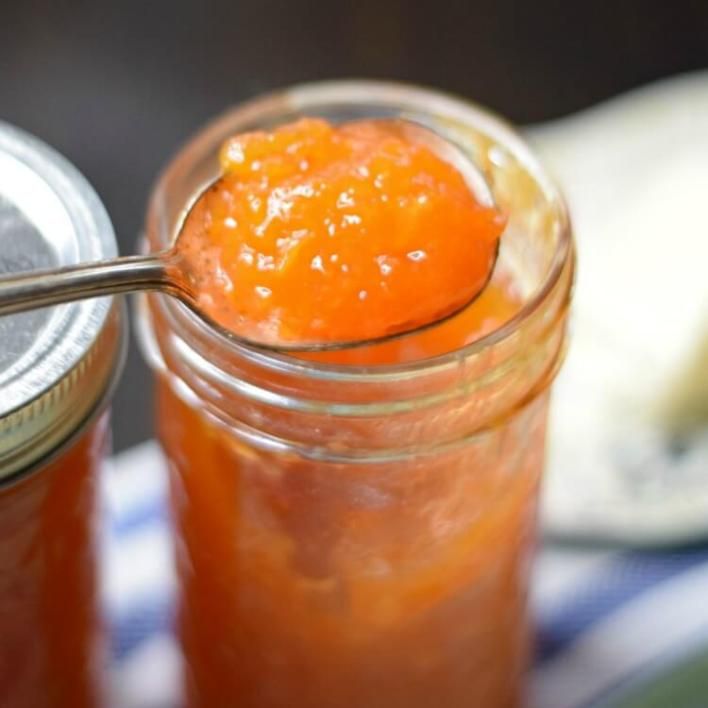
[164,271]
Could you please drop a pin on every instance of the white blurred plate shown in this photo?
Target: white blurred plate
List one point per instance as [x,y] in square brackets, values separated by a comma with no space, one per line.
[635,173]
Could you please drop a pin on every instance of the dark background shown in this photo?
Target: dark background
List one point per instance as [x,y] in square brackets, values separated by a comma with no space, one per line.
[118,86]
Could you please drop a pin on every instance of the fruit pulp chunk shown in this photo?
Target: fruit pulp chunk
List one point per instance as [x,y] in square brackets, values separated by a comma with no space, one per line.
[318,233]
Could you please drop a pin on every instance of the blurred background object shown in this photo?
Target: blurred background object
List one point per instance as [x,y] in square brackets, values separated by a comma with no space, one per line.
[117,86]
[628,457]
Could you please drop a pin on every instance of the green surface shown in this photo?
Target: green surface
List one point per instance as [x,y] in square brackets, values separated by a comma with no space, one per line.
[682,685]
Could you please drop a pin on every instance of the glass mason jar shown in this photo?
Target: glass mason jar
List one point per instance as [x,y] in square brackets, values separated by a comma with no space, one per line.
[58,368]
[361,535]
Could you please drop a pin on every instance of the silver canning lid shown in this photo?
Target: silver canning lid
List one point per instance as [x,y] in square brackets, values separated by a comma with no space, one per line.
[55,364]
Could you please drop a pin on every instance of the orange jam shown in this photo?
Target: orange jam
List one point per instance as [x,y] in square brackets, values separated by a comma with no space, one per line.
[351,537]
[51,646]
[321,233]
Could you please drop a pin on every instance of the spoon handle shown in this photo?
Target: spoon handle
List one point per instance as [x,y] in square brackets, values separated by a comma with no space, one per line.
[40,288]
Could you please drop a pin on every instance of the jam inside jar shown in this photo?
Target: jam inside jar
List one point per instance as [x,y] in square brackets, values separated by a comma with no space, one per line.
[356,528]
[52,642]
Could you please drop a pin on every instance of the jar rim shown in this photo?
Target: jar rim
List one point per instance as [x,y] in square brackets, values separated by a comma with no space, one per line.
[309,95]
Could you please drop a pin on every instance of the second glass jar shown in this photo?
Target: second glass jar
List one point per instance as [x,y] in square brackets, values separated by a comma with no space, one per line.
[58,369]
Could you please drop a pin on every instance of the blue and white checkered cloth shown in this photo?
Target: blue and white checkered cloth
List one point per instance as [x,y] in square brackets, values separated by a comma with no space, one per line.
[603,617]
